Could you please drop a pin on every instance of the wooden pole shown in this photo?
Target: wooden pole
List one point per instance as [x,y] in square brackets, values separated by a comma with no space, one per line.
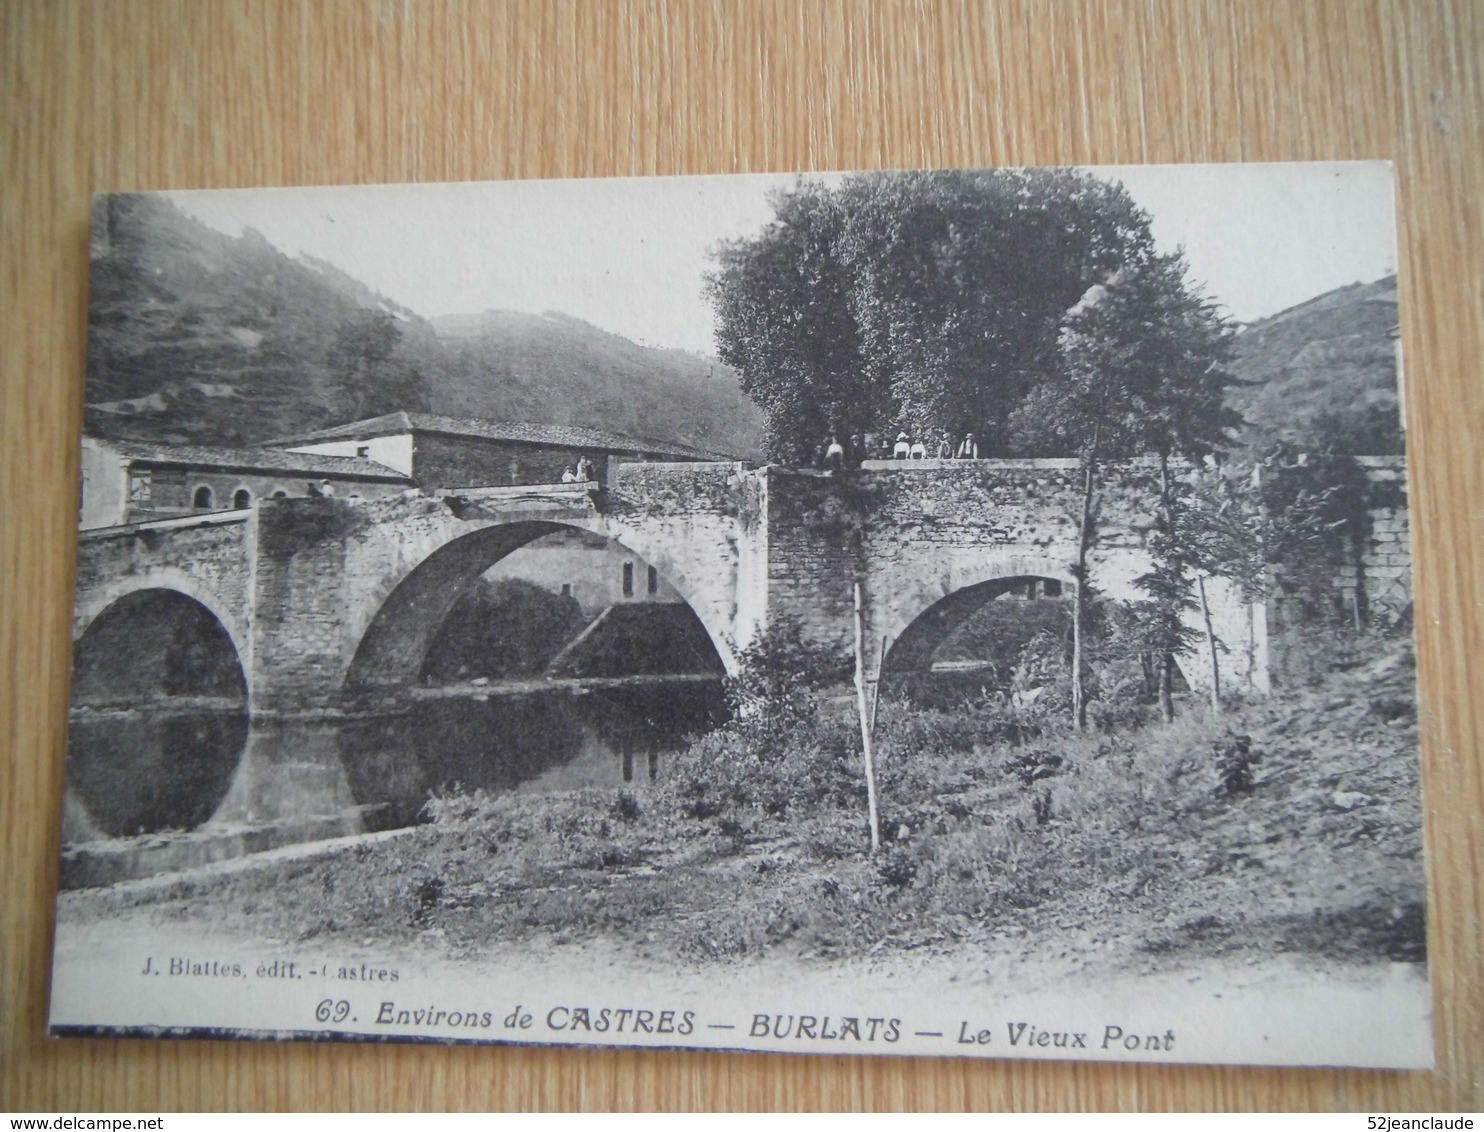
[1200,581]
[876,698]
[865,714]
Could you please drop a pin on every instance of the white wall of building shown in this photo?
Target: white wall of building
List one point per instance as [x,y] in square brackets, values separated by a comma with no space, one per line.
[105,486]
[393,451]
[592,571]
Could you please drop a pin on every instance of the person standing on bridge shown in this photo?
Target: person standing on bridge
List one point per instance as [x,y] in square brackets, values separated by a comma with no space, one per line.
[584,469]
[569,476]
[834,455]
[902,449]
[945,446]
[969,449]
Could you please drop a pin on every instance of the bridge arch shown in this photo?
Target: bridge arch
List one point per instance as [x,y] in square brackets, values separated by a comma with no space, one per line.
[913,648]
[159,584]
[916,609]
[160,648]
[926,617]
[409,607]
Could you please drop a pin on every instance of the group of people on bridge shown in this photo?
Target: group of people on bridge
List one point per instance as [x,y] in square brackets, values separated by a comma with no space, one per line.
[582,473]
[835,456]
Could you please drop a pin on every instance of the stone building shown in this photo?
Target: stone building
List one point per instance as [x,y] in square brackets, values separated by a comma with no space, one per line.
[135,481]
[453,452]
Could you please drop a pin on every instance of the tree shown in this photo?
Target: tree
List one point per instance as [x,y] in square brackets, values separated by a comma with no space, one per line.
[509,627]
[1164,632]
[928,300]
[1028,306]
[784,321]
[1222,522]
[367,375]
[1142,372]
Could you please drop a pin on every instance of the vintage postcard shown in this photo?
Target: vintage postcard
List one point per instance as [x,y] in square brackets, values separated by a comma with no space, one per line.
[952,613]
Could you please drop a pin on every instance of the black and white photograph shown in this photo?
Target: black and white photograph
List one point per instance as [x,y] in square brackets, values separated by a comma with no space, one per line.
[953,613]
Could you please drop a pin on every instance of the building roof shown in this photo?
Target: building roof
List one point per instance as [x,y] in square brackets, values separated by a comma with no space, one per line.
[521,432]
[271,461]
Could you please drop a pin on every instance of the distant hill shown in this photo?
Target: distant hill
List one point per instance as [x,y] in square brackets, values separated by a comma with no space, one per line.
[199,337]
[551,367]
[1323,374]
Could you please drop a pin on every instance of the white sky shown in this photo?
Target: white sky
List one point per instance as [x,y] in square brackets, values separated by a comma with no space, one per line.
[628,255]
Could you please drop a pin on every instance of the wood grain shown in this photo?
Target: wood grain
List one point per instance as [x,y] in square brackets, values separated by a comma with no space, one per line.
[165,94]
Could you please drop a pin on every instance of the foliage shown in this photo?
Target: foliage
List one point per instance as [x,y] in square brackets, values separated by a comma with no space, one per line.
[508,627]
[1142,369]
[367,378]
[1043,669]
[1317,518]
[784,319]
[929,300]
[1234,760]
[1224,527]
[785,745]
[778,673]
[742,772]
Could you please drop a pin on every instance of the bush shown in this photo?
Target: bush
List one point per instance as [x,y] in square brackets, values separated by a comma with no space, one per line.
[898,868]
[813,763]
[1234,759]
[774,688]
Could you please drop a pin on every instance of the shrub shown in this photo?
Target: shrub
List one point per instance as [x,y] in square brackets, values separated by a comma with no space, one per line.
[1234,759]
[774,688]
[813,763]
[898,868]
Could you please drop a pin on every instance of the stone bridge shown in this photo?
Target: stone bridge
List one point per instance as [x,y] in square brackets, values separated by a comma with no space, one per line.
[326,602]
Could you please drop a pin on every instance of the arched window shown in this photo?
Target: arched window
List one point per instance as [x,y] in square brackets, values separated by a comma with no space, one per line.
[280,494]
[202,500]
[241,499]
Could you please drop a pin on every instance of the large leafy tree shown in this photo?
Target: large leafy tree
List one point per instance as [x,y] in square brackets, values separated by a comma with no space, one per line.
[930,300]
[1028,306]
[784,320]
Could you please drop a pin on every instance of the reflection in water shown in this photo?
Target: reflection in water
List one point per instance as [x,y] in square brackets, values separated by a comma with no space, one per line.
[540,742]
[148,772]
[145,773]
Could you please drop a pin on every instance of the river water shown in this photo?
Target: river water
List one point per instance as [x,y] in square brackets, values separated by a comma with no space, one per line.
[144,772]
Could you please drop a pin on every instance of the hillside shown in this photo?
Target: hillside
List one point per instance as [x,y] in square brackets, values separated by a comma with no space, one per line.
[552,367]
[1323,373]
[195,336]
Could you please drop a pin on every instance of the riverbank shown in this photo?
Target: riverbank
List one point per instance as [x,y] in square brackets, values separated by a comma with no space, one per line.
[1290,827]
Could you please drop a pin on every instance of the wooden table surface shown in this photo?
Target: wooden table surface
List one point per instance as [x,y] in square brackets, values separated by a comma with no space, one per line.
[158,94]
